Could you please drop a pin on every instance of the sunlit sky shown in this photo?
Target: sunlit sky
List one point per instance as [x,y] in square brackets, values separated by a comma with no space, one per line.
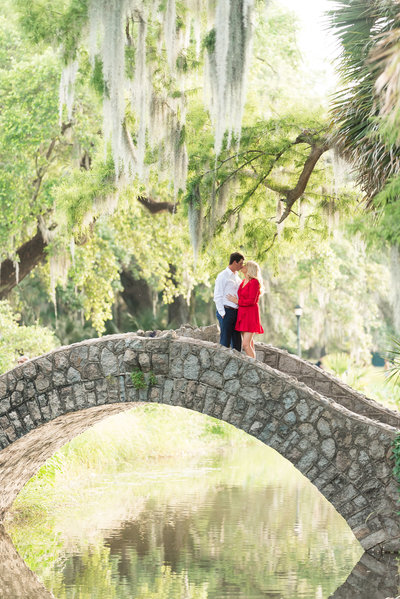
[315,42]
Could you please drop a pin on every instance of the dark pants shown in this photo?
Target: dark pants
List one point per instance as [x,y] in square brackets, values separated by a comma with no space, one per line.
[228,334]
[220,321]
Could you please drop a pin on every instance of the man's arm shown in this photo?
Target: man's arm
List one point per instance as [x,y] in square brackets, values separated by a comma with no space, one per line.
[219,294]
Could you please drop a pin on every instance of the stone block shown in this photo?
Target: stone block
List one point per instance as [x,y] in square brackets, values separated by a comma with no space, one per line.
[176,368]
[73,375]
[212,378]
[221,358]
[11,382]
[109,362]
[130,359]
[5,405]
[3,389]
[113,390]
[42,382]
[55,405]
[236,419]
[59,378]
[289,399]
[30,390]
[231,370]
[290,418]
[78,356]
[328,448]
[375,538]
[250,377]
[256,428]
[307,460]
[270,359]
[144,361]
[205,359]
[131,394]
[46,413]
[323,387]
[289,364]
[94,352]
[160,363]
[324,428]
[226,414]
[191,367]
[16,399]
[167,391]
[28,423]
[34,412]
[44,365]
[60,360]
[309,432]
[250,394]
[29,370]
[91,371]
[302,410]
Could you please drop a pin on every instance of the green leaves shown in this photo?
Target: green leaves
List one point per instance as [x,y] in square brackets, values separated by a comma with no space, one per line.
[17,340]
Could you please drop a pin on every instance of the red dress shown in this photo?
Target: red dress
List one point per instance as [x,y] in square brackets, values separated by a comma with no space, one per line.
[248,318]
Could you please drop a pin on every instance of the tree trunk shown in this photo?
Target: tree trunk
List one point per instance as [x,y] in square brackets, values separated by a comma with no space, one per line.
[178,312]
[136,293]
[395,277]
[30,254]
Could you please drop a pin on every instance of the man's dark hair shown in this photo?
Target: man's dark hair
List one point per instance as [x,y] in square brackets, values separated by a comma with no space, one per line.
[235,257]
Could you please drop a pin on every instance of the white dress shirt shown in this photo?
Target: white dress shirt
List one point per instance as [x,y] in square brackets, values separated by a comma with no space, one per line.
[226,282]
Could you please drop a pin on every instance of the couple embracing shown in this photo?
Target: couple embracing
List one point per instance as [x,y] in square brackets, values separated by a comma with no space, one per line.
[237,304]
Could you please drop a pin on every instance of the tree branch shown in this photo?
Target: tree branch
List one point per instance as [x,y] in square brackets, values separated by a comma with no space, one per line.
[154,207]
[292,195]
[30,254]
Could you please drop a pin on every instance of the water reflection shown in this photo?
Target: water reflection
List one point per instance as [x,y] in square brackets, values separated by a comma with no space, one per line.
[212,530]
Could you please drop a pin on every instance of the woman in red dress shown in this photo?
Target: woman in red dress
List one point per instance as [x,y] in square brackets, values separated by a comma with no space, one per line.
[248,318]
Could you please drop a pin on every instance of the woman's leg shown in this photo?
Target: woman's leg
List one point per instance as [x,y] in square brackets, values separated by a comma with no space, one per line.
[247,344]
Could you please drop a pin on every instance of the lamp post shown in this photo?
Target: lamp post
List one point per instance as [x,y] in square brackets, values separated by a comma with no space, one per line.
[298,311]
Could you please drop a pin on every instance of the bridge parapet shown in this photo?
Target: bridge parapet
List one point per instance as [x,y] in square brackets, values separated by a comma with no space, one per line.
[315,378]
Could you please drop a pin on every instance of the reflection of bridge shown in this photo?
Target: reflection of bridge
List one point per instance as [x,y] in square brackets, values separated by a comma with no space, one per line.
[337,438]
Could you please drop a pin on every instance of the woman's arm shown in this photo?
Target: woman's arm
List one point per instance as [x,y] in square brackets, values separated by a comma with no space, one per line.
[250,294]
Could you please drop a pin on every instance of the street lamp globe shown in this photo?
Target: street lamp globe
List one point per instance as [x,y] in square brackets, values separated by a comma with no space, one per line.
[298,310]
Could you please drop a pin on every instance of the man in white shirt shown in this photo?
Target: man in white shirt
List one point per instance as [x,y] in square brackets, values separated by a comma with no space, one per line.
[228,281]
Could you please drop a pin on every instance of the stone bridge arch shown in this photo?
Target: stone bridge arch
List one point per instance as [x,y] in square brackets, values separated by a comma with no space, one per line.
[47,401]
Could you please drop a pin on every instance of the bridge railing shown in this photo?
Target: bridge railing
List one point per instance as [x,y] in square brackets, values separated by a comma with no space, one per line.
[314,377]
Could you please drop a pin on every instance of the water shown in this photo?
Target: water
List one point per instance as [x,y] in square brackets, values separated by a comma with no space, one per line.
[243,525]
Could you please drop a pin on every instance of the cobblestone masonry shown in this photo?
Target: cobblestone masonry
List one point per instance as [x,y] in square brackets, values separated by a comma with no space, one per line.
[346,455]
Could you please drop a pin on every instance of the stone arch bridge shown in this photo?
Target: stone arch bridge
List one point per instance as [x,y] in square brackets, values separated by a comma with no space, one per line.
[340,440]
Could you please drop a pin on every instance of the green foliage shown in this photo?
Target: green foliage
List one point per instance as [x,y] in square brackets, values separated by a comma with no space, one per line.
[141,380]
[394,372]
[17,340]
[359,26]
[138,379]
[95,275]
[54,21]
[85,195]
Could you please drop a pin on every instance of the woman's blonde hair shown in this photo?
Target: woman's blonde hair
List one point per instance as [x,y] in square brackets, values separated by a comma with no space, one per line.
[254,272]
